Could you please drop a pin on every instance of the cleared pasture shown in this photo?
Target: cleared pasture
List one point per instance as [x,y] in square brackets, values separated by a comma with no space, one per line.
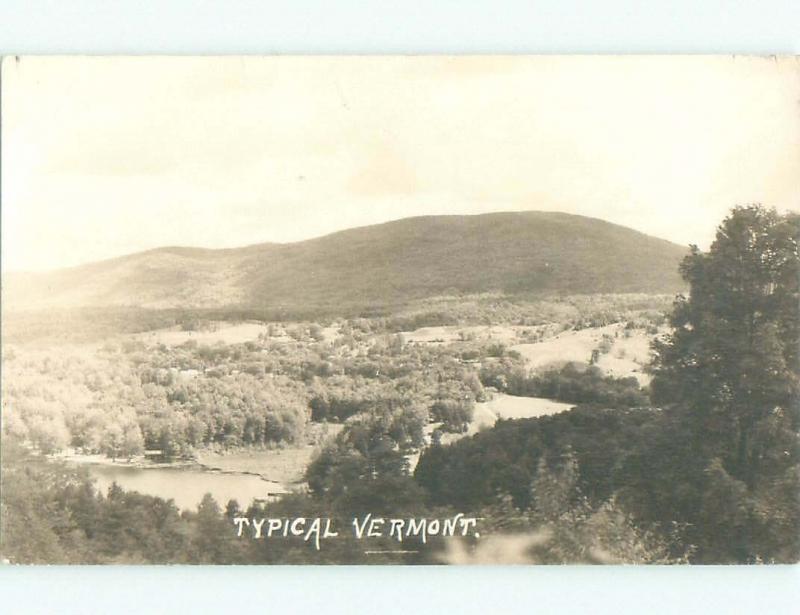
[449,334]
[626,357]
[226,333]
[503,406]
[487,413]
[564,347]
[285,466]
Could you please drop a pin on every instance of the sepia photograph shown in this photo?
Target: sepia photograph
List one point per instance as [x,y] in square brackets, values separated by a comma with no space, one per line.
[415,310]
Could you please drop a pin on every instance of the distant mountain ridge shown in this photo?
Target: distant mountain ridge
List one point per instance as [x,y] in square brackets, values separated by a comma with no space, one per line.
[384,264]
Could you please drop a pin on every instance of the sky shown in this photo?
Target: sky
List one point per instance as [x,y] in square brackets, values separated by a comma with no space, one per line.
[107,156]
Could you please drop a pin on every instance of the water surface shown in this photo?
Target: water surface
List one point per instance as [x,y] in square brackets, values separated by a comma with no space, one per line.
[186,486]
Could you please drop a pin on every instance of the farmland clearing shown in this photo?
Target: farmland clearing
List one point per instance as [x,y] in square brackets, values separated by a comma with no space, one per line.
[628,353]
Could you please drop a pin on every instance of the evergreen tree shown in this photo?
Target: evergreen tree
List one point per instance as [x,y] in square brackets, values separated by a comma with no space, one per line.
[728,378]
[731,364]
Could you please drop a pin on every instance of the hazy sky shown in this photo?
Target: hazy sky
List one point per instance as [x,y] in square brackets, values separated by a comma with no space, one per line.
[106,156]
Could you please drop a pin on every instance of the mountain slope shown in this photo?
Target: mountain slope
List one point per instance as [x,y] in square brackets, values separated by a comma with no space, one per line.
[539,252]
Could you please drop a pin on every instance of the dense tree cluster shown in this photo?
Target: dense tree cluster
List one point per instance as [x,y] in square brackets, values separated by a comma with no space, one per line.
[729,376]
[504,460]
[130,395]
[113,404]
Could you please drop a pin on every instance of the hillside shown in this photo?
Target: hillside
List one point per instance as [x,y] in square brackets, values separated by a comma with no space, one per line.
[413,258]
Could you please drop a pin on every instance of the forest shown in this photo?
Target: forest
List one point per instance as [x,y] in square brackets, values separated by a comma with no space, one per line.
[687,456]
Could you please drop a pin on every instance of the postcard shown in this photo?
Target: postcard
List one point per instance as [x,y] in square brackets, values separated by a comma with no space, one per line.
[419,310]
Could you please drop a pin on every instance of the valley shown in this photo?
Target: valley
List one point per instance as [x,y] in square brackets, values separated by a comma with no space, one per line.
[263,399]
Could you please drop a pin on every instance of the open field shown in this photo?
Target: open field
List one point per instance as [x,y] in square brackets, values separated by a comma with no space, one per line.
[566,346]
[487,413]
[226,333]
[448,334]
[220,332]
[627,355]
[503,406]
[285,466]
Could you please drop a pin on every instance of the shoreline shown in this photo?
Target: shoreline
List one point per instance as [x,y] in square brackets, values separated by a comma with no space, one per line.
[140,463]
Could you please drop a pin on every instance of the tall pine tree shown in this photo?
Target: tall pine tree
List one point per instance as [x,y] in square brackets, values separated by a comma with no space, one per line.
[731,364]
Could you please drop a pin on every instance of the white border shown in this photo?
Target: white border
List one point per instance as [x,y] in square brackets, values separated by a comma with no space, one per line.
[437,26]
[409,26]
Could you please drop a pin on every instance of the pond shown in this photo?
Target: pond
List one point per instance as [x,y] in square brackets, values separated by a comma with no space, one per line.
[186,486]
